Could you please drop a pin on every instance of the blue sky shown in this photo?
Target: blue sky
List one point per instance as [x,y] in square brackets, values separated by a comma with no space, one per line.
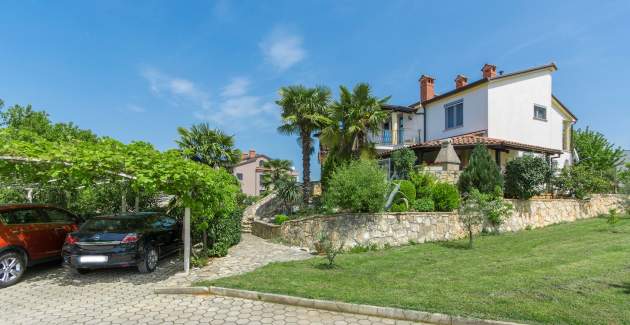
[136,70]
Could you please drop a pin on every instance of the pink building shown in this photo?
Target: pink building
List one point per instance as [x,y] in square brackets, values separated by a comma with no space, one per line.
[249,172]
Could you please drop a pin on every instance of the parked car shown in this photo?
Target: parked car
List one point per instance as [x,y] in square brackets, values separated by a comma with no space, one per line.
[123,240]
[31,234]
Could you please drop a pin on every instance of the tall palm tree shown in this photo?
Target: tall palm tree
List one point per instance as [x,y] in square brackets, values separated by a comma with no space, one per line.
[208,146]
[276,171]
[355,115]
[304,111]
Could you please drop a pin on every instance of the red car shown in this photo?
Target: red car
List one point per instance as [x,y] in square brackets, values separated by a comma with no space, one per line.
[31,234]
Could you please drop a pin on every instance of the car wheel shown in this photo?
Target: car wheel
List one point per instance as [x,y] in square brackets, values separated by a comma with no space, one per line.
[149,261]
[12,267]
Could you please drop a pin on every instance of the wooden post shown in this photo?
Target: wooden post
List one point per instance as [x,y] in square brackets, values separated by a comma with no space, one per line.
[187,240]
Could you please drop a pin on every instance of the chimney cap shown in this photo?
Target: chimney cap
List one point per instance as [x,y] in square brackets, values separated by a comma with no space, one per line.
[488,65]
[461,76]
[426,76]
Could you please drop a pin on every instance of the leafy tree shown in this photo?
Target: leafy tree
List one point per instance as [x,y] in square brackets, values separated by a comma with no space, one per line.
[526,176]
[303,113]
[471,213]
[288,192]
[481,173]
[208,146]
[624,177]
[354,116]
[579,181]
[276,170]
[359,186]
[403,161]
[595,152]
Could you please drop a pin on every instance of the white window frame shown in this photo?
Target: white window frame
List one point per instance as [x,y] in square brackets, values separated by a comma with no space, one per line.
[455,106]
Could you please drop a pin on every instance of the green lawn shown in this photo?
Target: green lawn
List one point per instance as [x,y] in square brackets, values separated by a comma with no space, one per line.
[576,273]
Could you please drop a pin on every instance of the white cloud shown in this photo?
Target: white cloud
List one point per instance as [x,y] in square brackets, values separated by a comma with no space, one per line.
[179,91]
[136,108]
[282,49]
[237,87]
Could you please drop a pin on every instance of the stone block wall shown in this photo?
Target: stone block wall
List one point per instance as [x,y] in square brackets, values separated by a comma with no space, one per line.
[446,176]
[401,228]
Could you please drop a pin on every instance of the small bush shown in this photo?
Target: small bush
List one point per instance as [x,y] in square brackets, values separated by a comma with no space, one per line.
[280,219]
[325,245]
[612,219]
[423,182]
[526,176]
[407,190]
[360,186]
[445,196]
[424,204]
[481,173]
[399,207]
[579,181]
[363,249]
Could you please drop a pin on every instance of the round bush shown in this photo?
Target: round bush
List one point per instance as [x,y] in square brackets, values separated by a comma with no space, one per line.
[399,207]
[526,176]
[280,219]
[445,196]
[423,183]
[360,186]
[406,190]
[424,204]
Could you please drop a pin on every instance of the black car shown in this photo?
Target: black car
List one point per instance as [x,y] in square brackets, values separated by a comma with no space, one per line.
[123,240]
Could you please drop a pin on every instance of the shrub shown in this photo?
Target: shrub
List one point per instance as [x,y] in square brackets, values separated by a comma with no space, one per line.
[280,219]
[612,219]
[424,204]
[526,176]
[360,186]
[423,182]
[399,207]
[580,181]
[224,232]
[445,196]
[481,173]
[326,246]
[407,190]
[289,192]
[403,161]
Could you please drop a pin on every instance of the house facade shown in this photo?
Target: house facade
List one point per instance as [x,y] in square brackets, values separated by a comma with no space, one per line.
[250,170]
[512,114]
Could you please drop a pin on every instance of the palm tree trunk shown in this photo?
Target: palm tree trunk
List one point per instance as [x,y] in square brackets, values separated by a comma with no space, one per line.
[306,166]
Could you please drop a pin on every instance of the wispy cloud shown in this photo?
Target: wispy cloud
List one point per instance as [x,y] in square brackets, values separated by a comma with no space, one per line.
[282,48]
[176,89]
[237,87]
[135,108]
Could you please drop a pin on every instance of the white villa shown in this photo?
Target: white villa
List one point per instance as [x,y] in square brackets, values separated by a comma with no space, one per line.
[512,114]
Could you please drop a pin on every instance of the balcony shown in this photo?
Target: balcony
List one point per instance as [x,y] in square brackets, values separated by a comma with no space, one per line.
[403,138]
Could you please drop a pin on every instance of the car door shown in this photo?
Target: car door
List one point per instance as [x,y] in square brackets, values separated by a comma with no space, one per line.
[172,229]
[62,223]
[30,228]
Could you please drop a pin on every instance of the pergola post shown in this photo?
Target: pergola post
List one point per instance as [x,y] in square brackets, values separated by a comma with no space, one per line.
[187,240]
[136,206]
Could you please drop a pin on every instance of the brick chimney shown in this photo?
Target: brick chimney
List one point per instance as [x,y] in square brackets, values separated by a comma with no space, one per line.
[427,88]
[460,81]
[252,154]
[489,71]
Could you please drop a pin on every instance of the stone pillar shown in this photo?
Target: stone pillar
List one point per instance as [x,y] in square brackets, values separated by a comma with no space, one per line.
[394,128]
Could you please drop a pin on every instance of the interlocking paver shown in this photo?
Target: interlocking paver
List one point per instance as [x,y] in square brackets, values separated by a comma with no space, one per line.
[48,295]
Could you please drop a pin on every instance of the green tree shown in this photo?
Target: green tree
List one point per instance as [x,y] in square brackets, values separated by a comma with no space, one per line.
[276,170]
[208,146]
[403,161]
[481,173]
[597,156]
[359,186]
[526,176]
[303,113]
[288,192]
[354,116]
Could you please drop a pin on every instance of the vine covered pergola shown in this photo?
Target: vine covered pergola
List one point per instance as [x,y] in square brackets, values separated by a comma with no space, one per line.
[209,194]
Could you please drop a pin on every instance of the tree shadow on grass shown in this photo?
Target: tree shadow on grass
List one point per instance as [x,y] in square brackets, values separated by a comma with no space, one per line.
[454,245]
[625,287]
[326,266]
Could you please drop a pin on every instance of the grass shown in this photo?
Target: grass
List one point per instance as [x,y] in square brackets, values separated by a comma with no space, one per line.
[577,273]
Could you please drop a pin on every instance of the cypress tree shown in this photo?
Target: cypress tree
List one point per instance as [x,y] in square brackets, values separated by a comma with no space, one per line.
[481,173]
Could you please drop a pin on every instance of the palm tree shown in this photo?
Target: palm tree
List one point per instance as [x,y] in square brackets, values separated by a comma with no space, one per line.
[304,111]
[288,193]
[276,171]
[355,115]
[208,146]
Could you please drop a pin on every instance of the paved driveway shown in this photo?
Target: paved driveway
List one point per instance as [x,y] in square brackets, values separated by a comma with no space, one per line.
[47,295]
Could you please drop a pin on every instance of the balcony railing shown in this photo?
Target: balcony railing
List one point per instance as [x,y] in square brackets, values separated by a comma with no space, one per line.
[386,137]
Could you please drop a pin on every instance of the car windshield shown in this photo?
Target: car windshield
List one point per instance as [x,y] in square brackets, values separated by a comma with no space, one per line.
[112,225]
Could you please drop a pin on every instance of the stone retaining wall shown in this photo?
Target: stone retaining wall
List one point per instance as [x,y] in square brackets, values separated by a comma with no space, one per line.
[401,228]
[265,230]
